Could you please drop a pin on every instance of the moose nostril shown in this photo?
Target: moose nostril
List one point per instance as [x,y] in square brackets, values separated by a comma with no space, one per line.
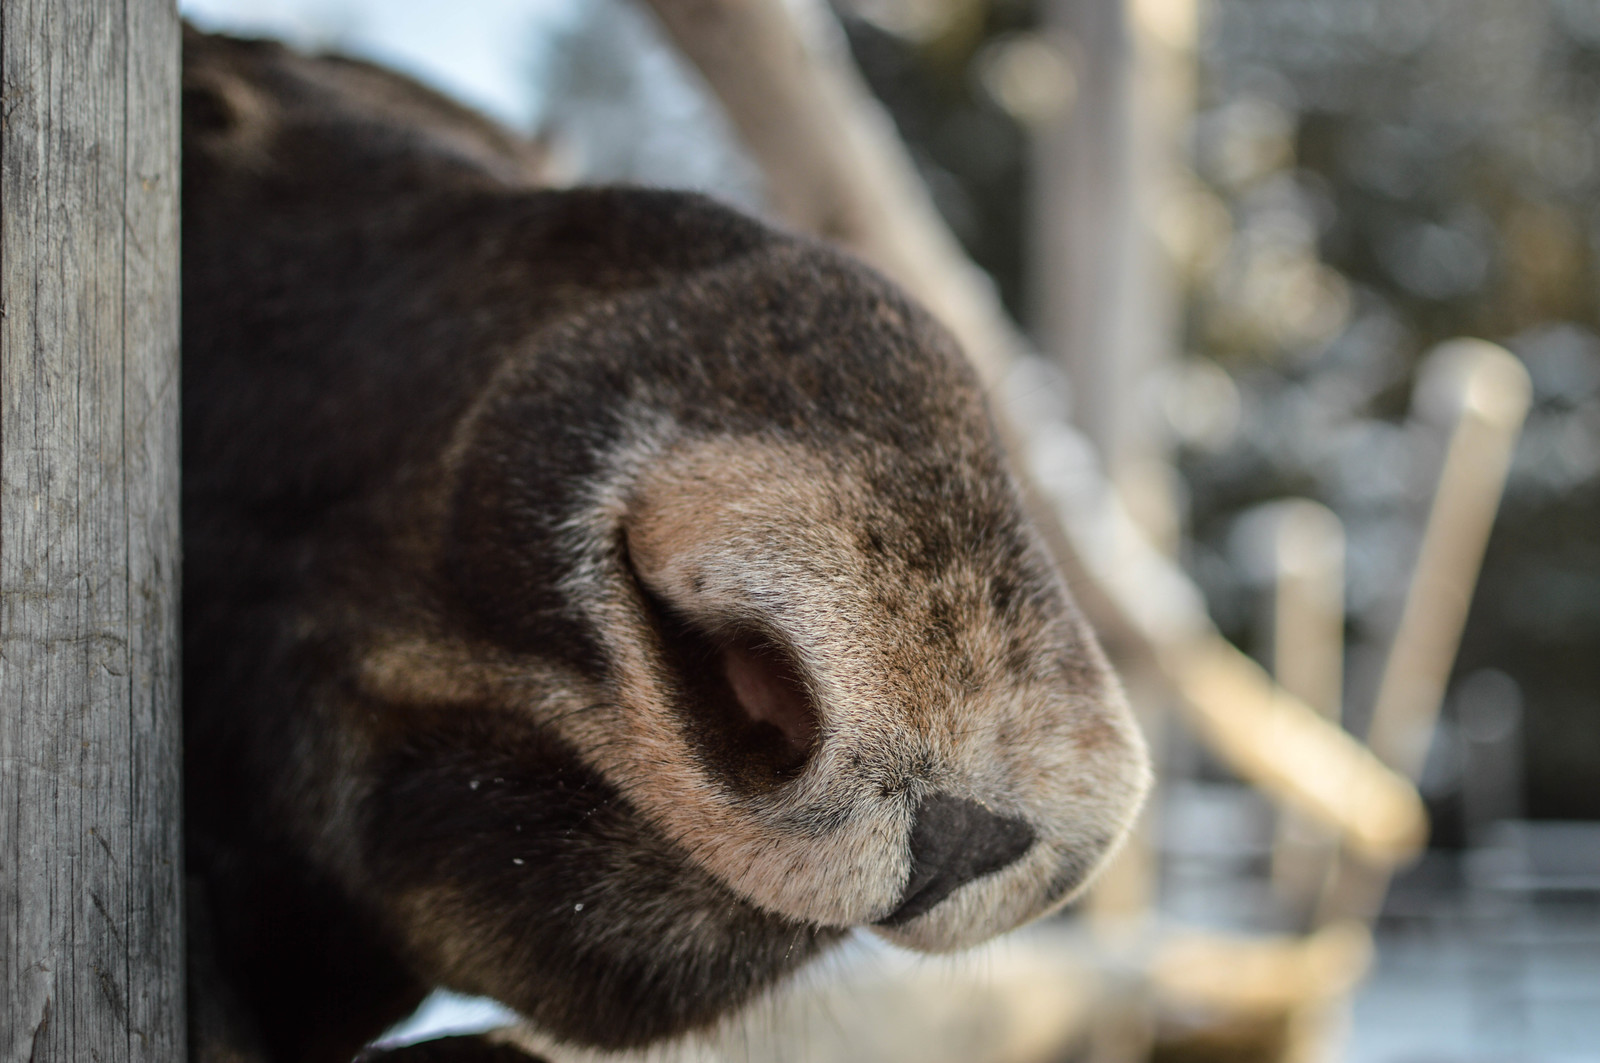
[953,842]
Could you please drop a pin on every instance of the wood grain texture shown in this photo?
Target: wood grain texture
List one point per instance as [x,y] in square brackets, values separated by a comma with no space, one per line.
[91,958]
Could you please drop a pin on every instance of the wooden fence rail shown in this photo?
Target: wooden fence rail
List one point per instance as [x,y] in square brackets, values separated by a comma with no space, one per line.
[91,943]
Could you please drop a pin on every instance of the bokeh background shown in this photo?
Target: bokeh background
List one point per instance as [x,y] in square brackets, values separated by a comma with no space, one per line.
[1308,197]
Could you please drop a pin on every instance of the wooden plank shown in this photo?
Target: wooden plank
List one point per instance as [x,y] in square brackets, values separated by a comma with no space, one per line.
[90,859]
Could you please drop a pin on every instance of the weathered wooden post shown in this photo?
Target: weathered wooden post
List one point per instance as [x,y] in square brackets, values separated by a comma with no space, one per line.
[91,942]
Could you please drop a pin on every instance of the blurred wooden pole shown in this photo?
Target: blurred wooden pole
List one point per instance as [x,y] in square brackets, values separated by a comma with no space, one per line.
[1104,296]
[1486,391]
[1083,253]
[1274,741]
[1308,604]
[1307,552]
[1103,303]
[91,956]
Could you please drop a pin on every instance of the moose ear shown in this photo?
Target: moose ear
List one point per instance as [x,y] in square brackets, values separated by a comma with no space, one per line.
[218,105]
[222,111]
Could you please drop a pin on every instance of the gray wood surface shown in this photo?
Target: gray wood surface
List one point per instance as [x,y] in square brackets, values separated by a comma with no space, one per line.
[91,943]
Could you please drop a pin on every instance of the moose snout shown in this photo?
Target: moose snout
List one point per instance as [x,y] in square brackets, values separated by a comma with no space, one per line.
[954,841]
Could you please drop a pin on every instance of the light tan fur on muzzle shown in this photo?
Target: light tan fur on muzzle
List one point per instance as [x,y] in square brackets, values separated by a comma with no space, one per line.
[757,534]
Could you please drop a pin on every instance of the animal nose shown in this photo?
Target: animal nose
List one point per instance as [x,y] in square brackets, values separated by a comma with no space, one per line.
[953,842]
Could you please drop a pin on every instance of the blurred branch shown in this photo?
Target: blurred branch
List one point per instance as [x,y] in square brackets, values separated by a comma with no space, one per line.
[836,168]
[1486,389]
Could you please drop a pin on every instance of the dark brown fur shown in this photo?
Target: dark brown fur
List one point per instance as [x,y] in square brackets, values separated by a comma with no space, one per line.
[476,474]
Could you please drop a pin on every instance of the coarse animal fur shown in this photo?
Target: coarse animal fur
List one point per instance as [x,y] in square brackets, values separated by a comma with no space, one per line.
[595,599]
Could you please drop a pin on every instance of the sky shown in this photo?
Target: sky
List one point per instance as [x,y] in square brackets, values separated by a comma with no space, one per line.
[483,52]
[621,104]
